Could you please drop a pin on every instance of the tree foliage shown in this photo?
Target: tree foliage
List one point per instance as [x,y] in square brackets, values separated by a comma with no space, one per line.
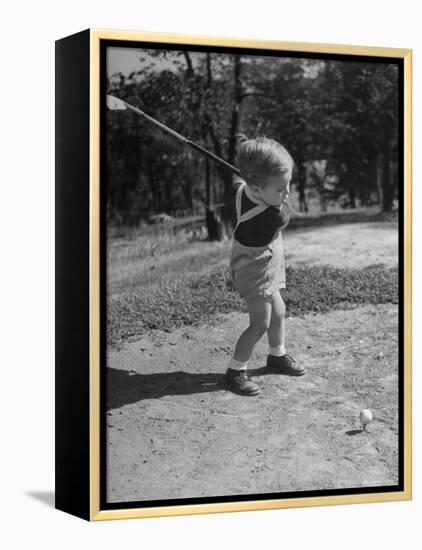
[338,119]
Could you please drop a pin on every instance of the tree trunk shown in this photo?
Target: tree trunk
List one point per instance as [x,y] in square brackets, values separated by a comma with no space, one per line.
[387,188]
[168,197]
[208,192]
[322,199]
[303,205]
[234,126]
[152,187]
[378,179]
[212,218]
[214,225]
[188,192]
[352,197]
[227,175]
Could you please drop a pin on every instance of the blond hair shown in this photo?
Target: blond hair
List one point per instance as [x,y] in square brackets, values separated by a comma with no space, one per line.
[262,157]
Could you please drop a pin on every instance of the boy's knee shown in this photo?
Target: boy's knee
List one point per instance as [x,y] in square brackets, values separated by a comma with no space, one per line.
[259,328]
[282,309]
[279,306]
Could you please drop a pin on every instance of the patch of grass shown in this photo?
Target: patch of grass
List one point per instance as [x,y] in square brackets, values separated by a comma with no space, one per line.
[127,274]
[321,288]
[198,299]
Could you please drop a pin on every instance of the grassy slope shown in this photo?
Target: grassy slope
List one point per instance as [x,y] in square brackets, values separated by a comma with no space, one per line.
[165,281]
[198,299]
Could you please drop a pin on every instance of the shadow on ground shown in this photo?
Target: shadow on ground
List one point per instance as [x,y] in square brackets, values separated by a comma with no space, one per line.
[354,432]
[124,387]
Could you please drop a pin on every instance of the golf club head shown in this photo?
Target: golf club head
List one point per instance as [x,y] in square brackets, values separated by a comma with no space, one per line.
[114,103]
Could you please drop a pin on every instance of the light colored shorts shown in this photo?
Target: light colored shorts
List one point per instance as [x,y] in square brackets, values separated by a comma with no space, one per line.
[258,270]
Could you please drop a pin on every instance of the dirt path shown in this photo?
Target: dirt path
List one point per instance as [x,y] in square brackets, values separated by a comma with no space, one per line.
[174,431]
[352,245]
[348,245]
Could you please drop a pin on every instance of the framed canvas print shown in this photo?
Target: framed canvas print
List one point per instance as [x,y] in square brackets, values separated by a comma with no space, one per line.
[233,274]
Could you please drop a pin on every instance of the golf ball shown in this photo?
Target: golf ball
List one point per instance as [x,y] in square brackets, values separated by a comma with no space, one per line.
[365,416]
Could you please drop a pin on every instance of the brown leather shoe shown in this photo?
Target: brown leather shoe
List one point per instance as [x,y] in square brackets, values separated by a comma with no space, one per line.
[240,382]
[284,365]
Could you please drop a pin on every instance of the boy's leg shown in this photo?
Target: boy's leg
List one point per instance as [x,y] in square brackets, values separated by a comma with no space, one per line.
[276,330]
[259,320]
[278,360]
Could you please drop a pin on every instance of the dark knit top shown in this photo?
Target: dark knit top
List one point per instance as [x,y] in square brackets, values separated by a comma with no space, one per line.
[259,230]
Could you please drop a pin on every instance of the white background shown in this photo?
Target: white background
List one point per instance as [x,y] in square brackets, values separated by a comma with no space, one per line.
[29,30]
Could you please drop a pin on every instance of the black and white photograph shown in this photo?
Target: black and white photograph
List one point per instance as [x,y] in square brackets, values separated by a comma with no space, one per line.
[252,209]
[210,275]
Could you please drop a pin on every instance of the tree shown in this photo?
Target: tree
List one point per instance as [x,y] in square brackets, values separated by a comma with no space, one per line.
[340,114]
[362,115]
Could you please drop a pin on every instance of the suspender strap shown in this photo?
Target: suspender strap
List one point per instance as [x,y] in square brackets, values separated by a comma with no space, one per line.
[250,213]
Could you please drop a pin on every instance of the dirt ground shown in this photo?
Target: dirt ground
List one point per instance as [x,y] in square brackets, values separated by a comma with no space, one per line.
[351,245]
[174,431]
[348,245]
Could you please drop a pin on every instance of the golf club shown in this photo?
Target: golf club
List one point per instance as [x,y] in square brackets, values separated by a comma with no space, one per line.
[114,103]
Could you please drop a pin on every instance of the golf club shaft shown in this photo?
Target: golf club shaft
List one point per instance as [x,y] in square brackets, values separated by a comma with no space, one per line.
[184,139]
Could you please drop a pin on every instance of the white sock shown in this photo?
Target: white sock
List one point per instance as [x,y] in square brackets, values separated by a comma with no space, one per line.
[277,351]
[237,365]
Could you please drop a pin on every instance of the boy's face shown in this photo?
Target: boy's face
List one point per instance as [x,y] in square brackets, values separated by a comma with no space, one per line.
[277,189]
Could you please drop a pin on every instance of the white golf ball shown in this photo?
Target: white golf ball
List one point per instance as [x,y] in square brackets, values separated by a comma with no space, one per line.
[365,416]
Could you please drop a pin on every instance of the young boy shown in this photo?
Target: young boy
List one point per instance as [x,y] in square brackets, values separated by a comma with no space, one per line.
[257,258]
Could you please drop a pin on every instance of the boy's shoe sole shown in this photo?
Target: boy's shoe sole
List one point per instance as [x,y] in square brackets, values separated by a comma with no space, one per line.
[284,365]
[240,383]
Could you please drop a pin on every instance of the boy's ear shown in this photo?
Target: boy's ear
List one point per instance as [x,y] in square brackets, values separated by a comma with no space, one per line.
[256,190]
